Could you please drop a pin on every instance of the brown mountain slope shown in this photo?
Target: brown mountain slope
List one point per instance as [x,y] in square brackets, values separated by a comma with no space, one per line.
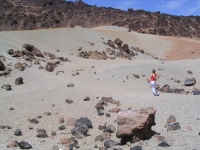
[39,14]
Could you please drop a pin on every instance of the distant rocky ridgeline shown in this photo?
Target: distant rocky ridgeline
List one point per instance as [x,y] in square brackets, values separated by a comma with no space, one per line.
[40,14]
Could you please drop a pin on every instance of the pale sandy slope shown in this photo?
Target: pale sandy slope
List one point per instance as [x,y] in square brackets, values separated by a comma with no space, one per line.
[42,89]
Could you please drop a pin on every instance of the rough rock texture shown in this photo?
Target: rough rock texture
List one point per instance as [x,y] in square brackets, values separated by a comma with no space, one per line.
[135,125]
[50,67]
[110,143]
[41,133]
[24,145]
[61,13]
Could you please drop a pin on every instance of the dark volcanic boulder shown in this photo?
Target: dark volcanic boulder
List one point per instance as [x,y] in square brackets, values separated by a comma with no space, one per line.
[18,132]
[24,145]
[190,81]
[82,121]
[2,67]
[79,131]
[135,125]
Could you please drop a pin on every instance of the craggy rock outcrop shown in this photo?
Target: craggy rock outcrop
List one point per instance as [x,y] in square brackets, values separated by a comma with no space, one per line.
[135,125]
[61,13]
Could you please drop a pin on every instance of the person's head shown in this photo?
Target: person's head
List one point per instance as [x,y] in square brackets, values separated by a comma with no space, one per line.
[153,71]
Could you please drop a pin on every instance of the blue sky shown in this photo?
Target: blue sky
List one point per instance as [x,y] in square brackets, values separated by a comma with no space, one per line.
[174,7]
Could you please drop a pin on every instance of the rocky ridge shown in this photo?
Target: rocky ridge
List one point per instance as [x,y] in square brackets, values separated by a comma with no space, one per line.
[31,15]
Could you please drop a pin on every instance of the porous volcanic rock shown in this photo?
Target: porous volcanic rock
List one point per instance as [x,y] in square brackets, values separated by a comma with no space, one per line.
[135,125]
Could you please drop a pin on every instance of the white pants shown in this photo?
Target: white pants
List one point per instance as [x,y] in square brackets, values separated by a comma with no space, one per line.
[153,87]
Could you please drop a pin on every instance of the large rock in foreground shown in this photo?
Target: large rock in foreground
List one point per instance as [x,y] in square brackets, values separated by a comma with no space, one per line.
[190,81]
[135,125]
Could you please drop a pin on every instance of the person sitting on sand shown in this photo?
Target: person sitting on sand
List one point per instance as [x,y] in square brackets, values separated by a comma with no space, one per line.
[154,77]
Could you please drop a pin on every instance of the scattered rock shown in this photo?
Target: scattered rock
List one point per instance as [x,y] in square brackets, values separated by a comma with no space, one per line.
[173,126]
[108,115]
[70,85]
[171,119]
[99,106]
[39,117]
[87,98]
[110,129]
[2,126]
[40,67]
[57,73]
[189,72]
[136,148]
[33,120]
[118,41]
[110,143]
[100,112]
[30,128]
[61,120]
[102,148]
[8,127]
[71,121]
[109,100]
[164,144]
[12,144]
[115,110]
[70,141]
[135,125]
[24,145]
[2,66]
[190,81]
[101,127]
[95,146]
[19,81]
[7,87]
[159,137]
[11,108]
[53,133]
[55,147]
[69,101]
[84,120]
[50,67]
[62,127]
[80,131]
[18,132]
[104,136]
[136,76]
[47,113]
[41,133]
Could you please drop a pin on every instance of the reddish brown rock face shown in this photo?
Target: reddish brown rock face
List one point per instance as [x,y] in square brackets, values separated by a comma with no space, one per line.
[135,125]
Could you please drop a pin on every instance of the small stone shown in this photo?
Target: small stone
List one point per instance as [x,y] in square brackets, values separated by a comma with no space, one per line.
[99,106]
[110,143]
[171,119]
[164,144]
[39,117]
[40,67]
[115,110]
[62,127]
[24,145]
[41,133]
[128,144]
[18,132]
[103,148]
[101,127]
[159,137]
[55,147]
[108,115]
[87,98]
[53,105]
[2,127]
[33,120]
[77,73]
[61,120]
[8,127]
[7,87]
[70,85]
[136,148]
[110,129]
[100,112]
[11,108]
[12,144]
[53,133]
[95,146]
[69,101]
[30,128]
[47,113]
[19,81]
[173,126]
